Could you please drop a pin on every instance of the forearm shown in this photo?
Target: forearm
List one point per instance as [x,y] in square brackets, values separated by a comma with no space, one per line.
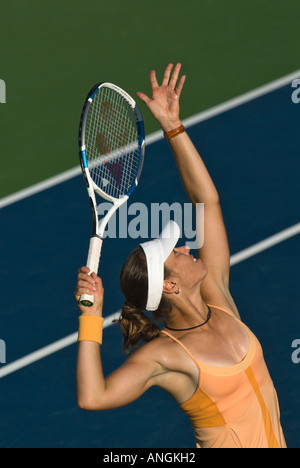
[194,175]
[89,375]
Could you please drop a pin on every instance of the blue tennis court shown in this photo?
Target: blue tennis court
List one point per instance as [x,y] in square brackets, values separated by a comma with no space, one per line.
[252,149]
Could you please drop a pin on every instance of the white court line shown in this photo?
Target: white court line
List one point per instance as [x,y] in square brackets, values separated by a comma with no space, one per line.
[154,137]
[71,339]
[265,244]
[50,349]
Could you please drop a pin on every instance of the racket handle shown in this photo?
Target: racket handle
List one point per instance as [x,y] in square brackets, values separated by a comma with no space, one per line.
[93,264]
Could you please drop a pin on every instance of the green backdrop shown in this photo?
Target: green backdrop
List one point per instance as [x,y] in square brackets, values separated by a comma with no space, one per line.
[53,52]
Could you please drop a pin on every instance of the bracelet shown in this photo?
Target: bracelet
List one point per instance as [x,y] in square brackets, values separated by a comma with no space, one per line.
[90,328]
[175,132]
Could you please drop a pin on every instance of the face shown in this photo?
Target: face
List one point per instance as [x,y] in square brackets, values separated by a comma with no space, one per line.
[183,266]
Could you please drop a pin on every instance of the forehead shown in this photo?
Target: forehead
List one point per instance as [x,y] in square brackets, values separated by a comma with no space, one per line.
[171,260]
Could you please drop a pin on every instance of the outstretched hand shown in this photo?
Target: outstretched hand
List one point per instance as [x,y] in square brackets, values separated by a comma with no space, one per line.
[164,104]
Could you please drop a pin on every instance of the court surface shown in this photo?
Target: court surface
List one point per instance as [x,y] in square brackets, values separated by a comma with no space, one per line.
[251,146]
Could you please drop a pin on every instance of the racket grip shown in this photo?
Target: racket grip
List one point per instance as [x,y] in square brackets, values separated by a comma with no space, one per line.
[93,264]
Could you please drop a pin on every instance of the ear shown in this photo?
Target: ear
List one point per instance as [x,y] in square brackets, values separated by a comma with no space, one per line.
[170,286]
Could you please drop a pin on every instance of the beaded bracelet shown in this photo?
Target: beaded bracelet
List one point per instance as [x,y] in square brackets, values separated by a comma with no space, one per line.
[175,132]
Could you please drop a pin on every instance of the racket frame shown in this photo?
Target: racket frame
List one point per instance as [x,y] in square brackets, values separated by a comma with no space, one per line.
[98,227]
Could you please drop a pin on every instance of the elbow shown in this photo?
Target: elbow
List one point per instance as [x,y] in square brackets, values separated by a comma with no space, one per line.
[88,403]
[211,198]
[84,404]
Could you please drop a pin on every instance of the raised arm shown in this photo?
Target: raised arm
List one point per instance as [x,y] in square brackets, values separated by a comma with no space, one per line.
[164,105]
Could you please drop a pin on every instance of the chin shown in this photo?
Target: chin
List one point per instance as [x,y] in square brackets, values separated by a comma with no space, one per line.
[204,270]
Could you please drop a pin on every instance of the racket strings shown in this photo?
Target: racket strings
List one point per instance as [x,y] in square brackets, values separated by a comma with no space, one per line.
[113,152]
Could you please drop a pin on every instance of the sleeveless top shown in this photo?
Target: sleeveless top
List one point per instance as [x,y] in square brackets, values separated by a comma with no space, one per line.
[235,406]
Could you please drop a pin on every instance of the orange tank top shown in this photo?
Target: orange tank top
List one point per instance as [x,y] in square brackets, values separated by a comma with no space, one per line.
[235,406]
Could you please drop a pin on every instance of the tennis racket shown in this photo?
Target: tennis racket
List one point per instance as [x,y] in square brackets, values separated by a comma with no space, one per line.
[111,150]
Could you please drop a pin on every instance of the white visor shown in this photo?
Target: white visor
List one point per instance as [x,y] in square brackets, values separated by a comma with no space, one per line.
[157,251]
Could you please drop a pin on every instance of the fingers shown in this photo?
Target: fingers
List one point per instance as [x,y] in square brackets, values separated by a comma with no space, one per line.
[83,287]
[174,77]
[179,86]
[87,284]
[98,282]
[154,84]
[143,97]
[84,269]
[167,74]
[169,80]
[153,79]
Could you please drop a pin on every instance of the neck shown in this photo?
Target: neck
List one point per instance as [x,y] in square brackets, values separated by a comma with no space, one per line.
[188,312]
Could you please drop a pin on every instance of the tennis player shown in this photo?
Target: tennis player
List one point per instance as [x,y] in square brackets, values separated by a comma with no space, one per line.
[203,355]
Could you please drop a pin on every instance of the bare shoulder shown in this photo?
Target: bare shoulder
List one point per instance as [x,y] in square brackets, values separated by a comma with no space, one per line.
[163,353]
[172,369]
[157,350]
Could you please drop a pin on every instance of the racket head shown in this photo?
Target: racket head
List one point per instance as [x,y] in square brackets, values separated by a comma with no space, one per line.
[111,141]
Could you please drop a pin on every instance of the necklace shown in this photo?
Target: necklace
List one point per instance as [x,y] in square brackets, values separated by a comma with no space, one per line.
[197,326]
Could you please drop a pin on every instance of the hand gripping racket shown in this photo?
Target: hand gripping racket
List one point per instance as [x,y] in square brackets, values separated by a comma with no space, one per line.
[111,150]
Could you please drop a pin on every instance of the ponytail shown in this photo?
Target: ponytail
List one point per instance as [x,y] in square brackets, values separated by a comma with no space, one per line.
[136,326]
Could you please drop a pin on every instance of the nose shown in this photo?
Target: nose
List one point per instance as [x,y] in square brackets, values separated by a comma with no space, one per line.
[184,249]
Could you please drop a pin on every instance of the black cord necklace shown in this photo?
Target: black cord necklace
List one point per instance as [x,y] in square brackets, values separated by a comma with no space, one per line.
[197,326]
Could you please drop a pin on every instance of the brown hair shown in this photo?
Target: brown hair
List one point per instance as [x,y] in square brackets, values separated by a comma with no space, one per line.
[135,324]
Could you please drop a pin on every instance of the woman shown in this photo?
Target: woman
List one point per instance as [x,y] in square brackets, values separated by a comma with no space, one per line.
[205,357]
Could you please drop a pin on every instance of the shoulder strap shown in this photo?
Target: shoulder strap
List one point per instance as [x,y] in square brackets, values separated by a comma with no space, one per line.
[182,345]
